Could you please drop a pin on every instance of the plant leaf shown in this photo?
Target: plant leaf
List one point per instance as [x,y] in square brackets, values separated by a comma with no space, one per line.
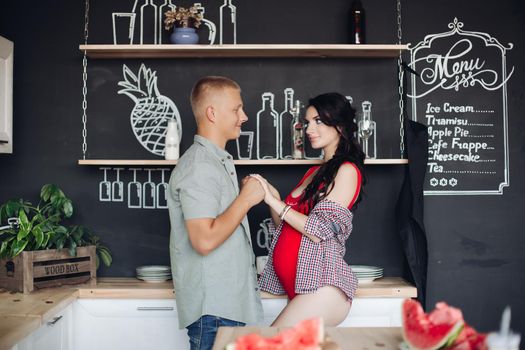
[72,247]
[39,237]
[61,230]
[17,247]
[105,257]
[60,242]
[45,241]
[67,207]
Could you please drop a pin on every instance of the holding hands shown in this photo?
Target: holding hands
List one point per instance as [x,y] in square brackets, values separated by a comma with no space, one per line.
[252,190]
[270,192]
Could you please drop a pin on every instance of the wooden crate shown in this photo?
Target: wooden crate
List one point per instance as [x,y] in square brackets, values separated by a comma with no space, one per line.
[48,268]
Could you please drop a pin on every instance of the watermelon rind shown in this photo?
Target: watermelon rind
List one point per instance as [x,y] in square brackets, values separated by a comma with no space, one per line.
[453,337]
[446,340]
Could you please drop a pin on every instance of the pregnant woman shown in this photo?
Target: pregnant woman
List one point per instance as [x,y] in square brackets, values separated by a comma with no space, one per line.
[315,220]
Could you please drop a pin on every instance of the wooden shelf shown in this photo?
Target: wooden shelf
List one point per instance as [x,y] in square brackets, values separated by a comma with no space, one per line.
[244,50]
[162,162]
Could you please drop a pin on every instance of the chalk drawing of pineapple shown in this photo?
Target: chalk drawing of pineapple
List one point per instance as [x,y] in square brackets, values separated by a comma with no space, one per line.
[149,118]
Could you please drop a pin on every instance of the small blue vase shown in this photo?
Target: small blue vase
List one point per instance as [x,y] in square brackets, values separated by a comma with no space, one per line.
[184,36]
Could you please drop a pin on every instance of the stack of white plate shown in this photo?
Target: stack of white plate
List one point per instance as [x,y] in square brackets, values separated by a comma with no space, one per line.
[366,273]
[154,273]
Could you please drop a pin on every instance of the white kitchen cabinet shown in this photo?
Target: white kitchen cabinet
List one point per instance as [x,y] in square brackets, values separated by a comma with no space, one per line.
[374,312]
[127,324]
[55,334]
[365,312]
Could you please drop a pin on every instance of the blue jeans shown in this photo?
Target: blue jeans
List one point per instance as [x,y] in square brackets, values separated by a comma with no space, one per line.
[203,331]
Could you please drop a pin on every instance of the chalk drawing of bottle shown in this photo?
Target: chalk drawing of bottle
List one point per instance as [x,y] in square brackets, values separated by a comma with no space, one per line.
[297,131]
[267,129]
[366,129]
[166,6]
[228,23]
[286,119]
[148,23]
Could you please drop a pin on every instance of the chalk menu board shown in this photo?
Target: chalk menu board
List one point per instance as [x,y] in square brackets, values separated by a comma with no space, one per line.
[461,95]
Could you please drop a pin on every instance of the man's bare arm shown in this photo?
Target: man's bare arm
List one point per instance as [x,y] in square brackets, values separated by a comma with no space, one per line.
[207,234]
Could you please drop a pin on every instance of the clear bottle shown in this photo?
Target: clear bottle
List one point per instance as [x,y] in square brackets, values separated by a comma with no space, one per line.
[297,132]
[367,131]
[228,23]
[267,129]
[172,141]
[286,120]
[357,23]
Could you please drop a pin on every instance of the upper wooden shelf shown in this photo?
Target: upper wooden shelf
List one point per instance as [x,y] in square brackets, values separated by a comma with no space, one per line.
[237,161]
[243,50]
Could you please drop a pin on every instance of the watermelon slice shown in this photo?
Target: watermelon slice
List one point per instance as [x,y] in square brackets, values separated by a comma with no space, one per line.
[306,335]
[469,339]
[432,331]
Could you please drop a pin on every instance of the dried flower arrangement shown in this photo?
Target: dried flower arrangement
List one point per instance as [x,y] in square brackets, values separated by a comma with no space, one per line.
[182,17]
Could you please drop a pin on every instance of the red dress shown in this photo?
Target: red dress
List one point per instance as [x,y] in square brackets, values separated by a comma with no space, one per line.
[286,251]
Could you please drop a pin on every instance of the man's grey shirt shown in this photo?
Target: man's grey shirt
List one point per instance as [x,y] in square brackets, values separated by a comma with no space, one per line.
[224,282]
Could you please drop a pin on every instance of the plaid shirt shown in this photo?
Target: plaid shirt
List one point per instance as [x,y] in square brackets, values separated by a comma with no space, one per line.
[318,264]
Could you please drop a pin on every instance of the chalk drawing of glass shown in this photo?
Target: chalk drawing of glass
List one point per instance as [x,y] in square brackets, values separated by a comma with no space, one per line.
[212,30]
[104,187]
[267,129]
[264,236]
[244,145]
[148,193]
[123,27]
[117,188]
[134,191]
[162,192]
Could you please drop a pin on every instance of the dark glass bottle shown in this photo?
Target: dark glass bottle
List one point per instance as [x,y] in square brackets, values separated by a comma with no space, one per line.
[357,23]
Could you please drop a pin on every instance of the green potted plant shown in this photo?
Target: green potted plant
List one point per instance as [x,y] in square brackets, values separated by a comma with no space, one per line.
[28,228]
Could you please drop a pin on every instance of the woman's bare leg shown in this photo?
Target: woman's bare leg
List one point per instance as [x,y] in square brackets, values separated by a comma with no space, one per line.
[328,302]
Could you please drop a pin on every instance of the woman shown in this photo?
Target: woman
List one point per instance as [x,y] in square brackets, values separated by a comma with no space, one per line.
[306,255]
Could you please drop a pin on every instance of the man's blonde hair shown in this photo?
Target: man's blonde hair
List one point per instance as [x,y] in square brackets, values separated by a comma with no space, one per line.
[207,85]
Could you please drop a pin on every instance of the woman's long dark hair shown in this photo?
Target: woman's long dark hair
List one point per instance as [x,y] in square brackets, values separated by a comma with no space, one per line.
[335,110]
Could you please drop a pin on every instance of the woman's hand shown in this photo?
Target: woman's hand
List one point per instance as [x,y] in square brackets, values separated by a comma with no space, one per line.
[269,191]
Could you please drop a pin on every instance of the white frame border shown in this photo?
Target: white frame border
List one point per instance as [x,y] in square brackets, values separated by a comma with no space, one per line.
[6,94]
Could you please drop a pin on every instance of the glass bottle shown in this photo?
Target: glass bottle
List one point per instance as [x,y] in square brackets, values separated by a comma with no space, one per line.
[357,23]
[171,150]
[366,130]
[267,129]
[297,132]
[286,119]
[228,23]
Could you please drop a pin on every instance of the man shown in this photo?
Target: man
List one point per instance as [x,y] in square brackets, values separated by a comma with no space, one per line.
[212,260]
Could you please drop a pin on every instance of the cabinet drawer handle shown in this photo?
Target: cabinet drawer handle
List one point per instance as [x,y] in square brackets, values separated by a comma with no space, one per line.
[55,320]
[155,308]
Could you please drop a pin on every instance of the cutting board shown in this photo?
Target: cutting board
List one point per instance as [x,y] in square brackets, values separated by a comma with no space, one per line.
[347,338]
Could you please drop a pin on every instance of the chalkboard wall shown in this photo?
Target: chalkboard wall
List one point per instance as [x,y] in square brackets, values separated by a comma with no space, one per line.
[475,242]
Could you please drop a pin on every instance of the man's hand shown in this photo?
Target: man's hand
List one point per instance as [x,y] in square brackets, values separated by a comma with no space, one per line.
[251,191]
